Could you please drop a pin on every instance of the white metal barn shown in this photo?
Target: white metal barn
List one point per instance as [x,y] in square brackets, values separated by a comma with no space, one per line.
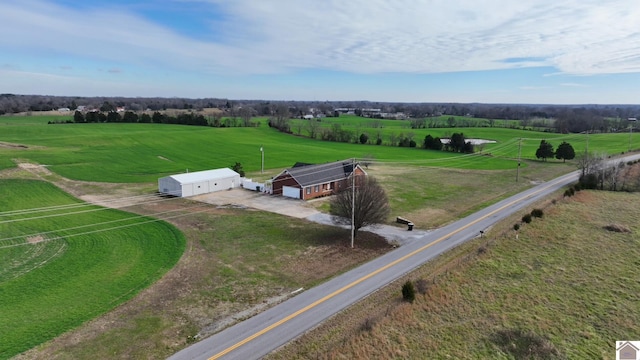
[200,182]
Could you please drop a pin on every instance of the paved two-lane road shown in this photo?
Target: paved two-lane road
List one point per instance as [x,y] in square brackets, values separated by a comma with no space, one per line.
[263,333]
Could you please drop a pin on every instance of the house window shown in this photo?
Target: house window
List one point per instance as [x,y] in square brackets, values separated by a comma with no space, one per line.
[316,188]
[308,190]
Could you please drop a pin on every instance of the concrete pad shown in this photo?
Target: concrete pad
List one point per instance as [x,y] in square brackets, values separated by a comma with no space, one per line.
[261,201]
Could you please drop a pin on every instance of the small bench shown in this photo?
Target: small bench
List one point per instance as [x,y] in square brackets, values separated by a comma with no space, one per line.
[401,220]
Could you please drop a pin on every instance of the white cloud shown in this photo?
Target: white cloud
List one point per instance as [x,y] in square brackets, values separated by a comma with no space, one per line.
[573,85]
[534,88]
[579,37]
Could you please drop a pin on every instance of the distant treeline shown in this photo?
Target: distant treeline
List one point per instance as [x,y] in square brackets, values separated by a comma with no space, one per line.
[187,118]
[566,118]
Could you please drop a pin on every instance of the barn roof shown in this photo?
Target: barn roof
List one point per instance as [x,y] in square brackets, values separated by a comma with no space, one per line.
[322,173]
[197,176]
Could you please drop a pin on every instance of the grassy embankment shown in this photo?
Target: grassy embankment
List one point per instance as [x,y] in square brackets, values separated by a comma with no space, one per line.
[567,288]
[63,262]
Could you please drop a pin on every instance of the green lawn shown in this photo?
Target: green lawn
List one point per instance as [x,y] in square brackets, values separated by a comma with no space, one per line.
[63,262]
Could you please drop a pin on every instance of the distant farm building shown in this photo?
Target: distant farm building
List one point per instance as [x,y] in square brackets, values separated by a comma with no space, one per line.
[312,181]
[200,182]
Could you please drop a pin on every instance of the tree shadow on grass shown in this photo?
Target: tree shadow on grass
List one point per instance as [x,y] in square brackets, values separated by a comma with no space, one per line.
[342,237]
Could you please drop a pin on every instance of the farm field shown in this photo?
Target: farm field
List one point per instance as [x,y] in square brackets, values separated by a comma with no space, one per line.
[565,289]
[130,153]
[144,152]
[63,262]
[505,132]
[220,275]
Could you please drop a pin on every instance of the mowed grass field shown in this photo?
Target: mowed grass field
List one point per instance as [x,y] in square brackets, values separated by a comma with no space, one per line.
[130,153]
[144,152]
[63,262]
[506,133]
[567,288]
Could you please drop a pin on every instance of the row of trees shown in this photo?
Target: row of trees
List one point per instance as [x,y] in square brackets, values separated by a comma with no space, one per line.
[157,117]
[457,143]
[564,152]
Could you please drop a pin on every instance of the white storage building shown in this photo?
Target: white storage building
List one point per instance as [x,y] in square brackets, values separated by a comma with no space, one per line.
[200,182]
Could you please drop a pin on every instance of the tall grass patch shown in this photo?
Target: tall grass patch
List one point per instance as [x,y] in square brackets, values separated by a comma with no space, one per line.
[567,288]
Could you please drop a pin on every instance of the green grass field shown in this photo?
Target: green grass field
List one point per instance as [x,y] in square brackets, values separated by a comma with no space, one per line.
[145,152]
[63,262]
[505,132]
[127,153]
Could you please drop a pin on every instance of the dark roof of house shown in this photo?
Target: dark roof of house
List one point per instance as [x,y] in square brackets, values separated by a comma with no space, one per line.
[322,173]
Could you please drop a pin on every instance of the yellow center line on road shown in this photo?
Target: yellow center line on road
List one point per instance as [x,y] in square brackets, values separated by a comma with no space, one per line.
[374,273]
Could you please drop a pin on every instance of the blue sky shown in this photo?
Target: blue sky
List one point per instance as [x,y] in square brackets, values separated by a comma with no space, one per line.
[491,51]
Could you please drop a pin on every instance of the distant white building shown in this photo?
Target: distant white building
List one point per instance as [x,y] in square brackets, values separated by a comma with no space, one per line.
[200,182]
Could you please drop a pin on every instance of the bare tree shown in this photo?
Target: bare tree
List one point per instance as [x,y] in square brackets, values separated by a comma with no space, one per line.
[393,139]
[585,162]
[217,118]
[298,125]
[312,128]
[369,205]
[376,124]
[614,177]
[246,113]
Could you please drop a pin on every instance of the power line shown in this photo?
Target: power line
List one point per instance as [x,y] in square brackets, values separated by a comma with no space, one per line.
[103,230]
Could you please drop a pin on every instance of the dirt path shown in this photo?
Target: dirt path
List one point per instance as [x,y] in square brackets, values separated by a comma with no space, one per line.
[112,195]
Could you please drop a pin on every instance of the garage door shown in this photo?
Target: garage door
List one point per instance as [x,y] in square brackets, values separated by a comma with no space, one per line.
[291,192]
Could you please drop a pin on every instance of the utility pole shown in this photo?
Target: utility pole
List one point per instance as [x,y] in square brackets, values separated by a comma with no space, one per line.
[519,150]
[631,120]
[353,200]
[586,156]
[587,149]
[262,153]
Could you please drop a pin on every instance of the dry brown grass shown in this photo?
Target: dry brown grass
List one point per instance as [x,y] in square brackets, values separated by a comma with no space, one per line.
[566,289]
